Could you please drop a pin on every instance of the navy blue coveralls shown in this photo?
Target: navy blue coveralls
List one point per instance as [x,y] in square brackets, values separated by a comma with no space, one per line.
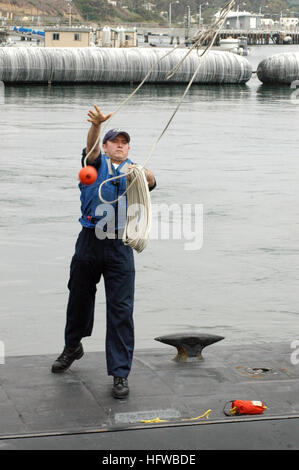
[93,258]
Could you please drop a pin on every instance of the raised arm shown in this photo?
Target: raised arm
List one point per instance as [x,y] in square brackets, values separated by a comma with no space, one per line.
[96,117]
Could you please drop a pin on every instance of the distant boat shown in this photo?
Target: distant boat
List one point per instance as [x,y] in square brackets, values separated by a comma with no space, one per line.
[235,45]
[229,43]
[287,40]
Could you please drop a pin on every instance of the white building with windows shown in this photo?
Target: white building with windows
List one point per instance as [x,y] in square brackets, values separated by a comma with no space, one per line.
[242,20]
[268,23]
[116,37]
[67,37]
[288,23]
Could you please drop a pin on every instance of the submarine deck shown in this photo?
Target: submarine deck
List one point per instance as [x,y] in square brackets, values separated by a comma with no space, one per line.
[75,410]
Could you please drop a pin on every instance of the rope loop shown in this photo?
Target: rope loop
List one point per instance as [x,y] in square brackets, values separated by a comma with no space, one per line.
[137,190]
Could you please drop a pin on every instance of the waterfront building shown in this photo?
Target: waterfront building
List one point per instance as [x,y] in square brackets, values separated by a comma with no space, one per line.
[67,37]
[116,37]
[242,20]
[289,23]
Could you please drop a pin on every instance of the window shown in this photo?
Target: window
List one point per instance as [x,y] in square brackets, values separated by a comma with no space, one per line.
[77,36]
[55,36]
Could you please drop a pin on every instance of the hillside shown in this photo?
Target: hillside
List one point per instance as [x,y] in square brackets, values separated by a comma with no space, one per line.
[29,8]
[136,11]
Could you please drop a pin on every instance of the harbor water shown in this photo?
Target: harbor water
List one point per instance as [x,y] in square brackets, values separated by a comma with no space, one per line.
[232,149]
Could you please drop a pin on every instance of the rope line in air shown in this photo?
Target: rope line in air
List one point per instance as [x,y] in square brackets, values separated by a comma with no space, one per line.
[137,228]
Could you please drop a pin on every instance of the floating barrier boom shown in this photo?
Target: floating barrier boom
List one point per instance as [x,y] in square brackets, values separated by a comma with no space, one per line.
[106,65]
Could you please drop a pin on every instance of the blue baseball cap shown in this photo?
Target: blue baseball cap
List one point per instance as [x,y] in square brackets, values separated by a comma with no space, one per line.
[113,133]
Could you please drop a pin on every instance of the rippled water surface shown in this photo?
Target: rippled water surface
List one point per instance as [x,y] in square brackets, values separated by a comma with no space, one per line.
[233,149]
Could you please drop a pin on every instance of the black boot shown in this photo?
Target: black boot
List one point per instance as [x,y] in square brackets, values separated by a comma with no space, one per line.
[67,357]
[120,387]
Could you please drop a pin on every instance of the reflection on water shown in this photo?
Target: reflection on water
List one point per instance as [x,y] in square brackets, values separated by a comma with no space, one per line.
[233,149]
[68,92]
[273,92]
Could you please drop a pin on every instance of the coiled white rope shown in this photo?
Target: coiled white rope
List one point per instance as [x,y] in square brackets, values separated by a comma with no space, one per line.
[139,214]
[137,188]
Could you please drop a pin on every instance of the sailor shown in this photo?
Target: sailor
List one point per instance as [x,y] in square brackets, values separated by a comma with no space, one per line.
[106,256]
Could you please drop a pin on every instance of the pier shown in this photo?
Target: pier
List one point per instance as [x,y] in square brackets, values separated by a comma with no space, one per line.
[254,36]
[260,37]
